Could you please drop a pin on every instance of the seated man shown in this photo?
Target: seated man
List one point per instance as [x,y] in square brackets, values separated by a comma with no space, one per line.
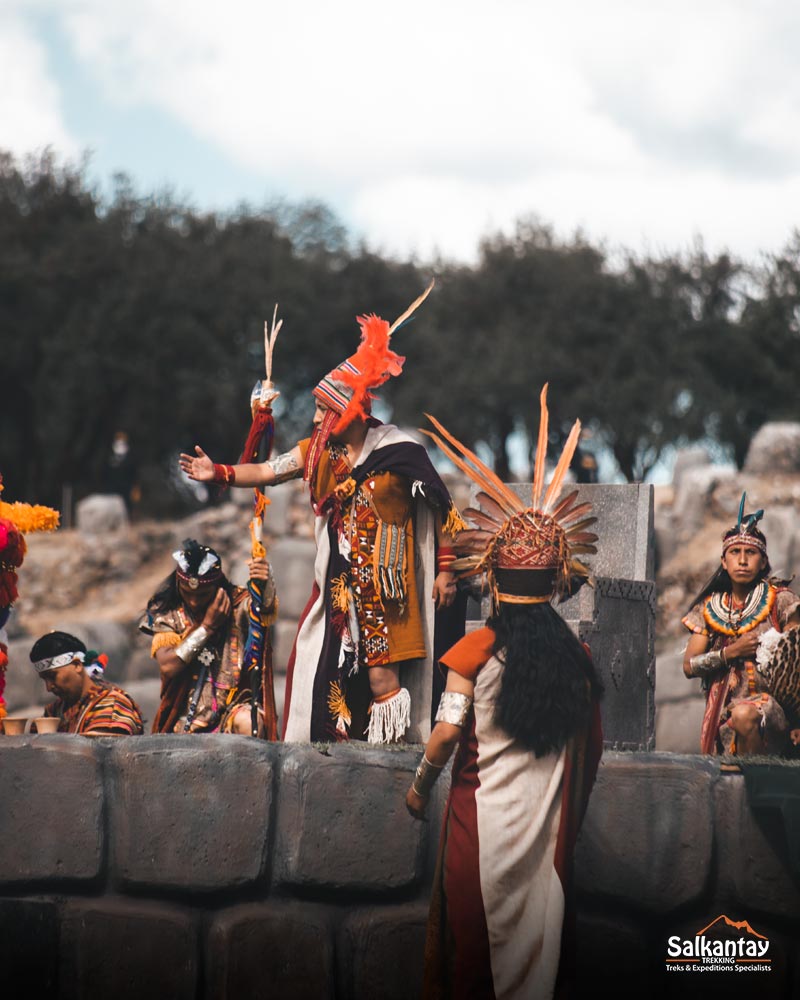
[200,624]
[87,704]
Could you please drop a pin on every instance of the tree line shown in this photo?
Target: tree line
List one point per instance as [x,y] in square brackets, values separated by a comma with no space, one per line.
[138,312]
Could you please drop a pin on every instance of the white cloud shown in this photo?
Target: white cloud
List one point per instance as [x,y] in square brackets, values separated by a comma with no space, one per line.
[30,111]
[431,123]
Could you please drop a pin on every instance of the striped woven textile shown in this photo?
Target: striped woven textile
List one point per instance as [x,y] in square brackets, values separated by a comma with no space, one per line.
[103,709]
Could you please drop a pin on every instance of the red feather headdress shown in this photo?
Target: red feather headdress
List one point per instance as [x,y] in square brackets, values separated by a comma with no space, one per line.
[347,389]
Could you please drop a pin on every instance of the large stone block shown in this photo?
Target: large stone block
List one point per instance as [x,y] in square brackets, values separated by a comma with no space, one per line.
[189,813]
[278,950]
[624,515]
[647,836]
[23,686]
[51,809]
[292,561]
[101,513]
[283,636]
[678,725]
[754,870]
[774,448]
[381,953]
[127,951]
[342,820]
[28,948]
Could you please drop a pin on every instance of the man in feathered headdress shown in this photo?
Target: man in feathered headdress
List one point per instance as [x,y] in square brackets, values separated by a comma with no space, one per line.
[199,623]
[384,529]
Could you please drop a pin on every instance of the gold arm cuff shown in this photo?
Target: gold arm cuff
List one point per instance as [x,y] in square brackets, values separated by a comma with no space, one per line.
[425,777]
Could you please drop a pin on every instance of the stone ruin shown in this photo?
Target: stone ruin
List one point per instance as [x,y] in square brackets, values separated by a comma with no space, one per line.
[216,867]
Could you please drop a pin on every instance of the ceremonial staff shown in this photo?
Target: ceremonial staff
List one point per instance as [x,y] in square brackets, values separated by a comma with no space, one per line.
[258,652]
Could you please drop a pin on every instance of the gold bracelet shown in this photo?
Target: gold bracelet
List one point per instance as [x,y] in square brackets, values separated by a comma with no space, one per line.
[426,774]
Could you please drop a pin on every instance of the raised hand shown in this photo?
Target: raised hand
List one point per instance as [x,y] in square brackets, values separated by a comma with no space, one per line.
[218,611]
[258,569]
[198,467]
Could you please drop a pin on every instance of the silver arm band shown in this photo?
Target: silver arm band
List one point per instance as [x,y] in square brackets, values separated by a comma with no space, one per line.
[192,644]
[706,663]
[285,467]
[454,708]
[425,777]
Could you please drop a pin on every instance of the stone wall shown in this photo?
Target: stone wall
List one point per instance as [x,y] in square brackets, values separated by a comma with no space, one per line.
[213,867]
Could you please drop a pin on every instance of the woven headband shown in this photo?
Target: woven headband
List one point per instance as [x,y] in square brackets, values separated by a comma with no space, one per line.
[54,662]
[744,538]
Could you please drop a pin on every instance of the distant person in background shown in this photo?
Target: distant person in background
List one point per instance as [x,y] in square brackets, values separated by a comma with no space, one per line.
[727,620]
[120,471]
[199,622]
[86,704]
[585,461]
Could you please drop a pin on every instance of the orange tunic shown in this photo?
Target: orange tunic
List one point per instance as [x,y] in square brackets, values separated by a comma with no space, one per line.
[390,497]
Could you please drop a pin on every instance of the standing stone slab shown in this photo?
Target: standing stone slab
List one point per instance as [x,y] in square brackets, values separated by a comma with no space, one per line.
[647,836]
[624,513]
[51,809]
[190,812]
[118,950]
[292,560]
[754,870]
[342,819]
[270,951]
[28,948]
[616,619]
[381,953]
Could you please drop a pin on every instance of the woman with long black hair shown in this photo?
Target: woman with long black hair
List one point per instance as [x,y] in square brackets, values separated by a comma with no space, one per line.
[521,704]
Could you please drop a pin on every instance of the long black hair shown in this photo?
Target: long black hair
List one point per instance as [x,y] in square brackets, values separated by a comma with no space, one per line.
[549,680]
[720,582]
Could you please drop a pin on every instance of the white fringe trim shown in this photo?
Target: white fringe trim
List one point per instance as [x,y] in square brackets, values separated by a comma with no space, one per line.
[388,720]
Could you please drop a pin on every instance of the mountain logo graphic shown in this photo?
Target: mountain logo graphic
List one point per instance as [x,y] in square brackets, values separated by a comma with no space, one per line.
[724,922]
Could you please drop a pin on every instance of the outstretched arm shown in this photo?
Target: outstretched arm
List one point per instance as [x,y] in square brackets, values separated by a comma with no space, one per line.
[202,469]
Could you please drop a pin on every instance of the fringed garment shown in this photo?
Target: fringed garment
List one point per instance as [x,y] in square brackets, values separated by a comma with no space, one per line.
[502,916]
[371,603]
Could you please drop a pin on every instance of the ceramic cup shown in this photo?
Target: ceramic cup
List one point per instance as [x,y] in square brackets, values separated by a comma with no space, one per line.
[14,726]
[46,725]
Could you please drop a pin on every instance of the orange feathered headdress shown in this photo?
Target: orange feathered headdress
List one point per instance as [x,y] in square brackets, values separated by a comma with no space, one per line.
[544,538]
[347,390]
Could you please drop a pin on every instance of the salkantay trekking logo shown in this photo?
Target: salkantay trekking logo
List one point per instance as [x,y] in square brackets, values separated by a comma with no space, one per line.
[725,945]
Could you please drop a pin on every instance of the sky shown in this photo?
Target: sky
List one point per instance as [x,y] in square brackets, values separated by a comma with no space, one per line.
[426,126]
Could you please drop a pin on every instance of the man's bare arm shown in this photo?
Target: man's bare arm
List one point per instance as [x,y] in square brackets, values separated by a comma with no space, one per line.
[200,467]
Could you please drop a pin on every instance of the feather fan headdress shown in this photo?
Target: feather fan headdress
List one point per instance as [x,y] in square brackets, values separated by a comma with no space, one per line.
[528,552]
[347,389]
